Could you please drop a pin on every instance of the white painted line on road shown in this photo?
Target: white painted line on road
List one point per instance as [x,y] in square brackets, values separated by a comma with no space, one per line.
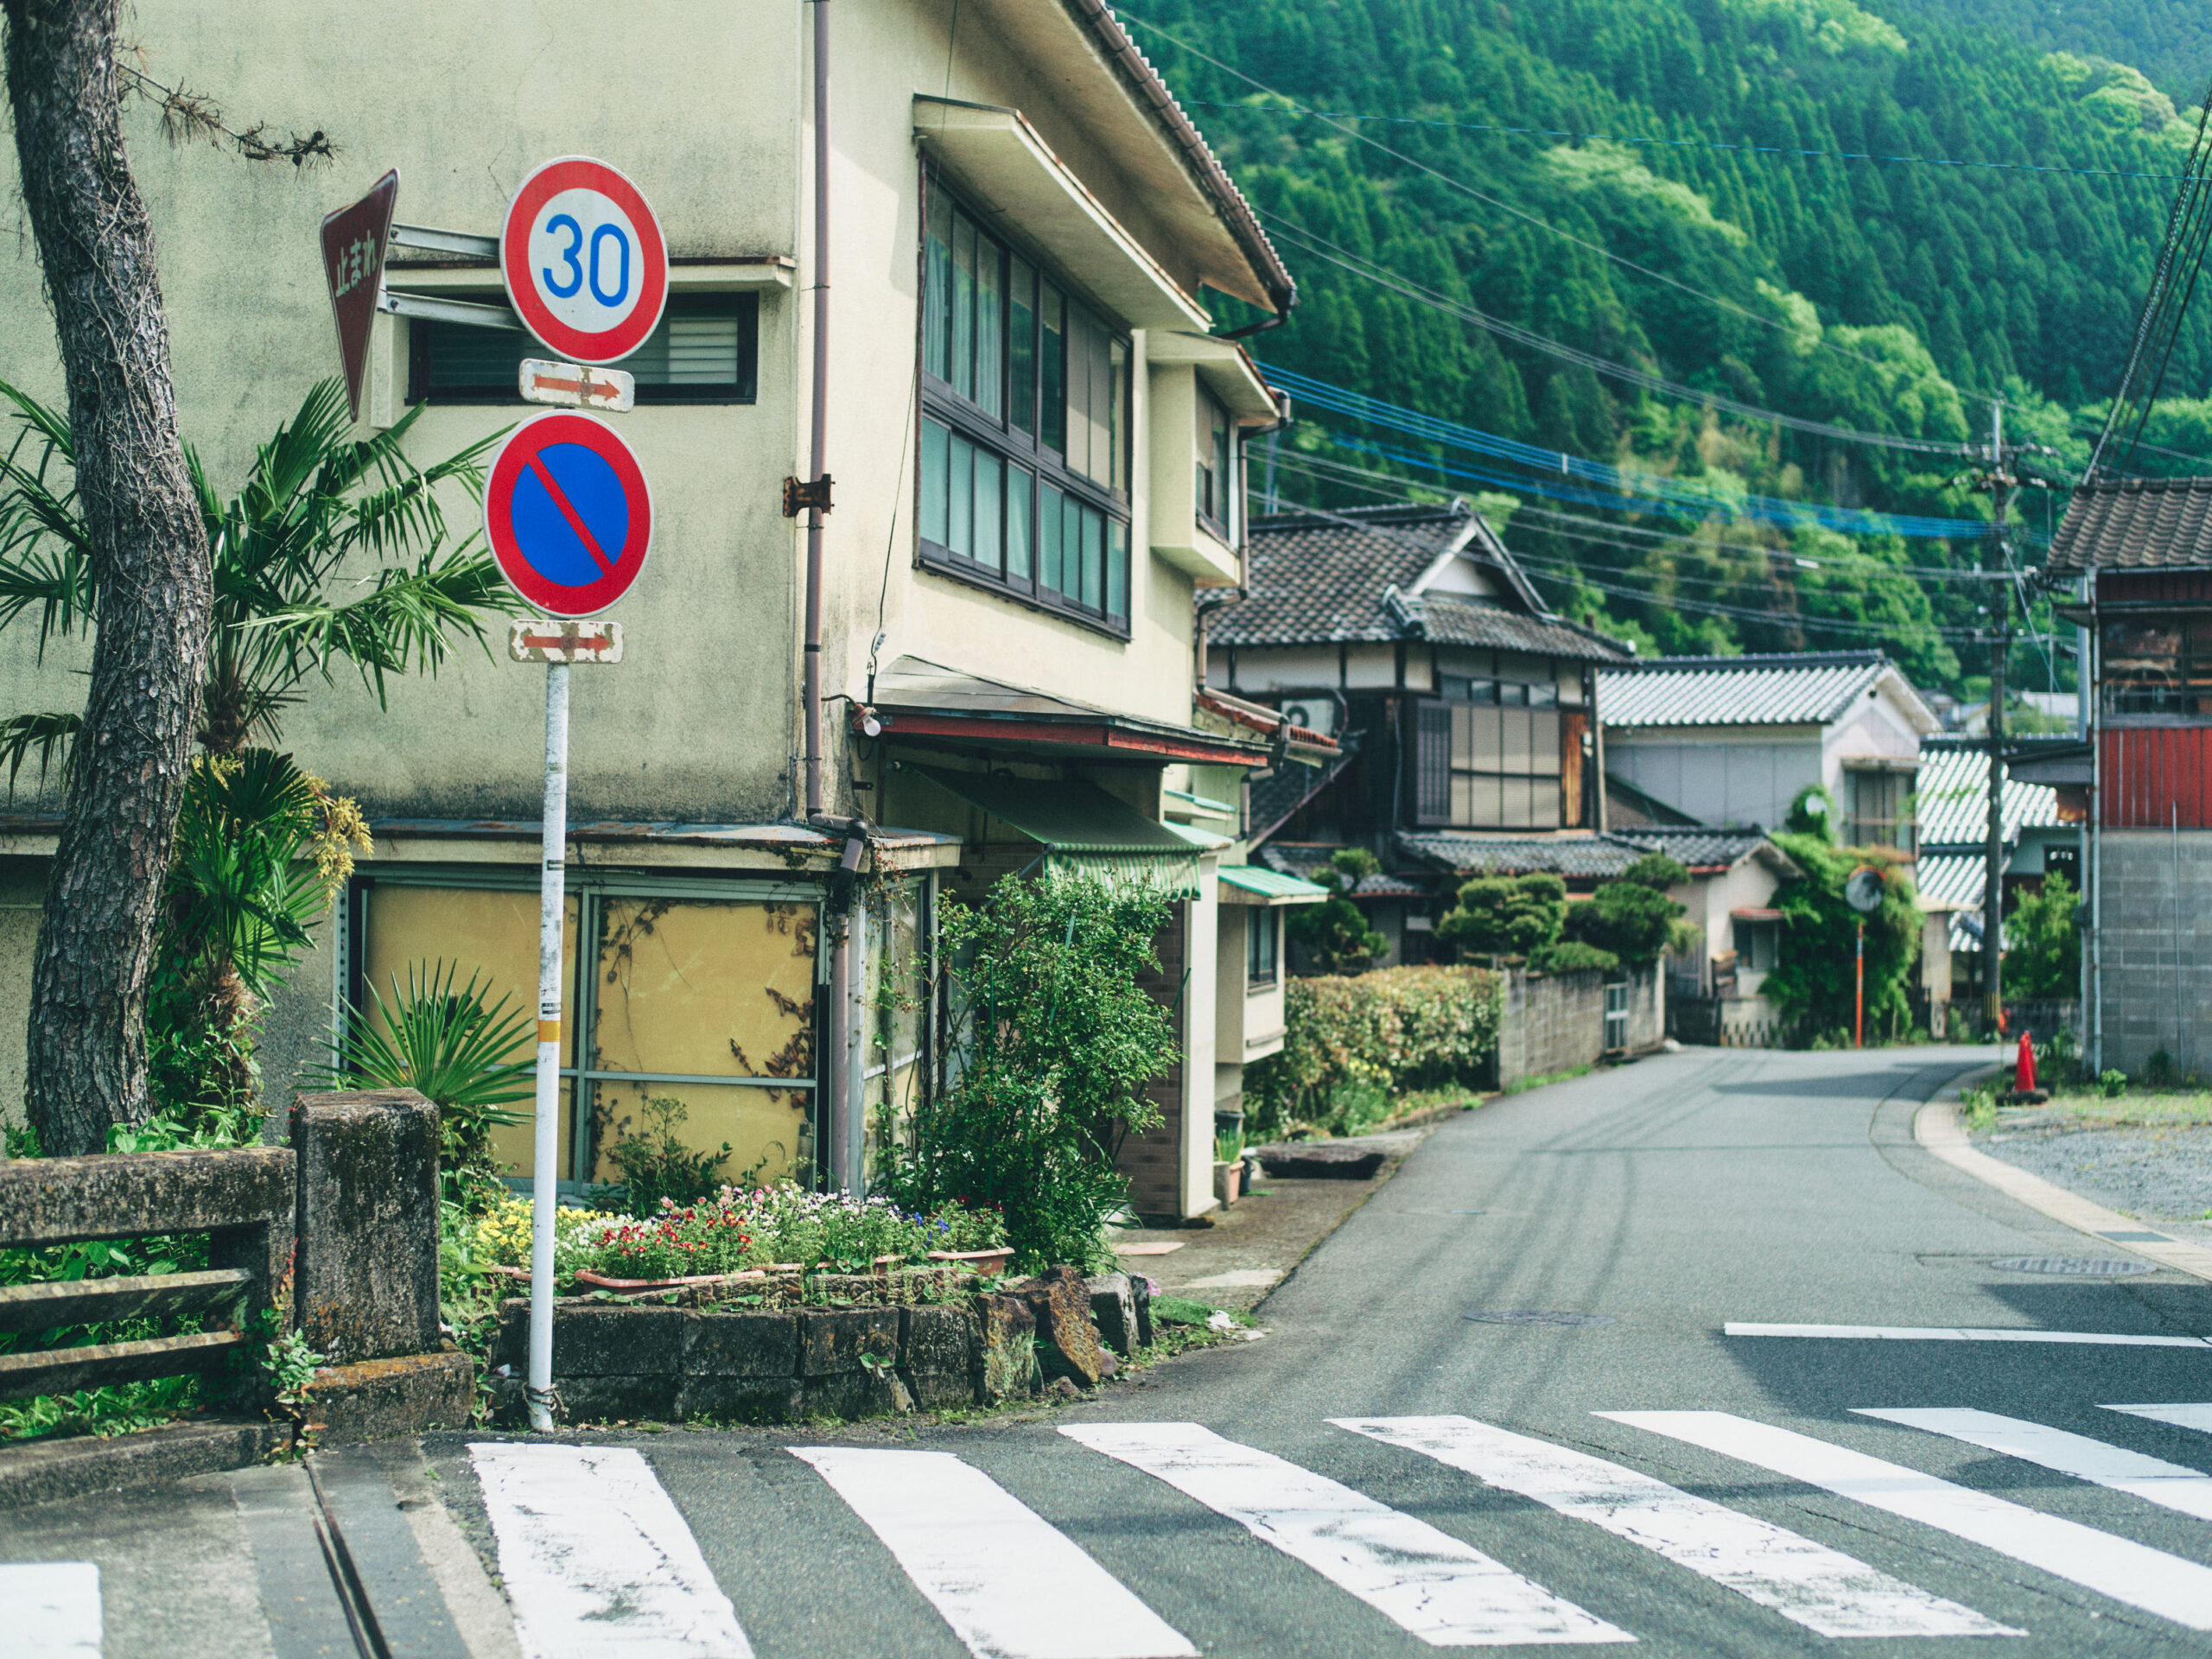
[2126,1571]
[1010,1584]
[2152,1480]
[2182,1416]
[1956,1333]
[1445,1591]
[1936,1127]
[598,1563]
[1824,1590]
[52,1609]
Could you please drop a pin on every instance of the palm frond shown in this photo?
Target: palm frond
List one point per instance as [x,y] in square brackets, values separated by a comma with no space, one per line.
[52,737]
[52,424]
[457,1049]
[408,622]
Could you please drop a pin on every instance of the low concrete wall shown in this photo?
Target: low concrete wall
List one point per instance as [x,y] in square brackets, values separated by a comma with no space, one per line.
[1554,1022]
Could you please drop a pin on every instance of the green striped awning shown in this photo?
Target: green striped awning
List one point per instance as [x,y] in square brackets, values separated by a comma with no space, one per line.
[1084,830]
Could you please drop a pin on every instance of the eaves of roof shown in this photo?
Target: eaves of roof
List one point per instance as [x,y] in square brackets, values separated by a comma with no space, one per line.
[2134,524]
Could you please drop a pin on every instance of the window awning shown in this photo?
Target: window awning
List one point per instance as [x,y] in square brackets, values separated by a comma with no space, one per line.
[1753,913]
[1085,831]
[1001,155]
[1249,884]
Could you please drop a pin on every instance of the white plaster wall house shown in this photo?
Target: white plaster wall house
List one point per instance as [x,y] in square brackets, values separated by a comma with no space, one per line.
[1732,740]
[1034,418]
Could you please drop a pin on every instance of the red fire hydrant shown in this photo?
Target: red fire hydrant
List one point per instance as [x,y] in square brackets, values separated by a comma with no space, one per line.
[2023,1072]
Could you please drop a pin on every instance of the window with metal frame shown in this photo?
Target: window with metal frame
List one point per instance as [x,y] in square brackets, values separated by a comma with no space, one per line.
[1483,765]
[706,349]
[1216,479]
[696,990]
[2157,665]
[1024,483]
[1262,947]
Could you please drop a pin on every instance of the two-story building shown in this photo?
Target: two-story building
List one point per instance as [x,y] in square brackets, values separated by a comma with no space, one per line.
[2133,560]
[967,261]
[1464,707]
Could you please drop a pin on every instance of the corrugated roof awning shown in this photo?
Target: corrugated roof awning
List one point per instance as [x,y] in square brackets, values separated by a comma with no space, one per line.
[1249,884]
[1084,830]
[1754,914]
[921,701]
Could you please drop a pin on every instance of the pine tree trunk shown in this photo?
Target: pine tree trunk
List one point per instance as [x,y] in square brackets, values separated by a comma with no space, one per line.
[87,1042]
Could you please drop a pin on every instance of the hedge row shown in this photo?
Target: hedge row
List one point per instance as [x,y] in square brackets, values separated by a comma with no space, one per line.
[1394,1028]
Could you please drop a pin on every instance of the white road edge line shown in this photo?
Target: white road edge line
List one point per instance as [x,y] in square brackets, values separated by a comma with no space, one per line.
[1446,1592]
[1824,1590]
[2152,1480]
[53,1609]
[1010,1584]
[2118,1567]
[597,1560]
[1954,1333]
[1935,1126]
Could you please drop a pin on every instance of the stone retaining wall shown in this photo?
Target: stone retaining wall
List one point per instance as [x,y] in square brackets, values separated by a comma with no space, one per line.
[646,1362]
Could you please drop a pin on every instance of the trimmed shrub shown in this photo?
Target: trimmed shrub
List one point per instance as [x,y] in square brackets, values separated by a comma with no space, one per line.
[1394,1028]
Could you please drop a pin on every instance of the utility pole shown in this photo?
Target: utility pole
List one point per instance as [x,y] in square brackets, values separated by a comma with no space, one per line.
[1992,875]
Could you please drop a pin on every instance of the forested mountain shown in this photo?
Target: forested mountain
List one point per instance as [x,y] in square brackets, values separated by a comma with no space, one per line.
[1878,218]
[2170,40]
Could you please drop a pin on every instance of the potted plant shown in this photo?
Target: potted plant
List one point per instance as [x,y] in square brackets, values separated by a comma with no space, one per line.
[1228,1167]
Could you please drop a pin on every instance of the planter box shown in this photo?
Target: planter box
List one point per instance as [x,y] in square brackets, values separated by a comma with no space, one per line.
[1229,1181]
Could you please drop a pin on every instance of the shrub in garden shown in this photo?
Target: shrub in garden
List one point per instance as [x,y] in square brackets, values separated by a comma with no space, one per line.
[1505,916]
[1395,1028]
[1632,919]
[659,1167]
[1335,931]
[1055,1037]
[2043,944]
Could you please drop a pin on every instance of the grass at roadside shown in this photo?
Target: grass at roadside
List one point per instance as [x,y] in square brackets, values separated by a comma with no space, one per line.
[2134,1108]
[1521,1085]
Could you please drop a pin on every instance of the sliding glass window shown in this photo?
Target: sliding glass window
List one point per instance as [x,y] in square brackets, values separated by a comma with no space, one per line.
[1024,441]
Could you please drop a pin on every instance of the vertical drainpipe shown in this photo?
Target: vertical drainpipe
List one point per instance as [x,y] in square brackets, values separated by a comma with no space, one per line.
[831,1073]
[2093,667]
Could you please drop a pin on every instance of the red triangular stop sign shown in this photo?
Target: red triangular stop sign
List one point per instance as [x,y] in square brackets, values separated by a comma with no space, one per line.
[354,243]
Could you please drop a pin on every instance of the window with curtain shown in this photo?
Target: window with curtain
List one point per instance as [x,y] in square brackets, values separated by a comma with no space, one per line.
[1492,762]
[1259,946]
[1216,467]
[1024,474]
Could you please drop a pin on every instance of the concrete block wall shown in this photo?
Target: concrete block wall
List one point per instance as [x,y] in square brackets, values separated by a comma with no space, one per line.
[1551,1022]
[2158,948]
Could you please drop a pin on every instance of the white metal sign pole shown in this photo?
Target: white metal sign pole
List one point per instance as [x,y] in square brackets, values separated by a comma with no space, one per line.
[546,1166]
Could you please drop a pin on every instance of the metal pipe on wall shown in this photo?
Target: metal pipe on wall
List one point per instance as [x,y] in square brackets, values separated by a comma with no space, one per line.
[819,454]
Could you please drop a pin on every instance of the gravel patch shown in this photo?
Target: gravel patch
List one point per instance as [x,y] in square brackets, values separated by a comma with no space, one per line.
[2161,1174]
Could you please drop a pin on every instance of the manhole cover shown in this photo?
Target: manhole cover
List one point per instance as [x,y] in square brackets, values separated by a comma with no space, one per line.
[1535,1316]
[2079,1266]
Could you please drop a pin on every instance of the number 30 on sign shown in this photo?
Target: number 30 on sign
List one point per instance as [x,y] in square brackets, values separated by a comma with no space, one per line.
[583,259]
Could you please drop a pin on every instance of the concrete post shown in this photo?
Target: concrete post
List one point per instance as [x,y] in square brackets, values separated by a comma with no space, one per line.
[367,1284]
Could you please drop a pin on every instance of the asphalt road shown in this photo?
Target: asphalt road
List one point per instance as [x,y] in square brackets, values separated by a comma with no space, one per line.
[1659,1203]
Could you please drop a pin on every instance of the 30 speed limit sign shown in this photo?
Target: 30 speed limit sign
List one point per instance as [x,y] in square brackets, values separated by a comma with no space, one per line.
[583,259]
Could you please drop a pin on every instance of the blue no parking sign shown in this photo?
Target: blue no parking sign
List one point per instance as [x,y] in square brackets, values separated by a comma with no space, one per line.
[568,514]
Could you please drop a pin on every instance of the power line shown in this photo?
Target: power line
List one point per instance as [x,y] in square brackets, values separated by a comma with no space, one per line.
[1534,341]
[1453,433]
[1325,470]
[1745,148]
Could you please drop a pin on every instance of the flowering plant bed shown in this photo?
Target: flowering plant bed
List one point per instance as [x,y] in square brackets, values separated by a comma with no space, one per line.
[741,1230]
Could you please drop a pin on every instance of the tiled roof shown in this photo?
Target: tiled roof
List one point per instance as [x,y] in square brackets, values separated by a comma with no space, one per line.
[1796,689]
[1315,578]
[1951,797]
[1472,853]
[1305,860]
[1952,881]
[1283,790]
[1449,620]
[1349,575]
[1700,850]
[2134,524]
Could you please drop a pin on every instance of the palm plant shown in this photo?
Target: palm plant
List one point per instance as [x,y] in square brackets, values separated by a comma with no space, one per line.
[261,848]
[469,1056]
[314,497]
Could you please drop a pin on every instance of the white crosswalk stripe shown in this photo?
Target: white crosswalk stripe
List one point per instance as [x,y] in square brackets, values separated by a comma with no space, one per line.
[2196,1416]
[2152,1480]
[2118,1567]
[598,1563]
[1822,1589]
[1445,1591]
[52,1609]
[1011,1585]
